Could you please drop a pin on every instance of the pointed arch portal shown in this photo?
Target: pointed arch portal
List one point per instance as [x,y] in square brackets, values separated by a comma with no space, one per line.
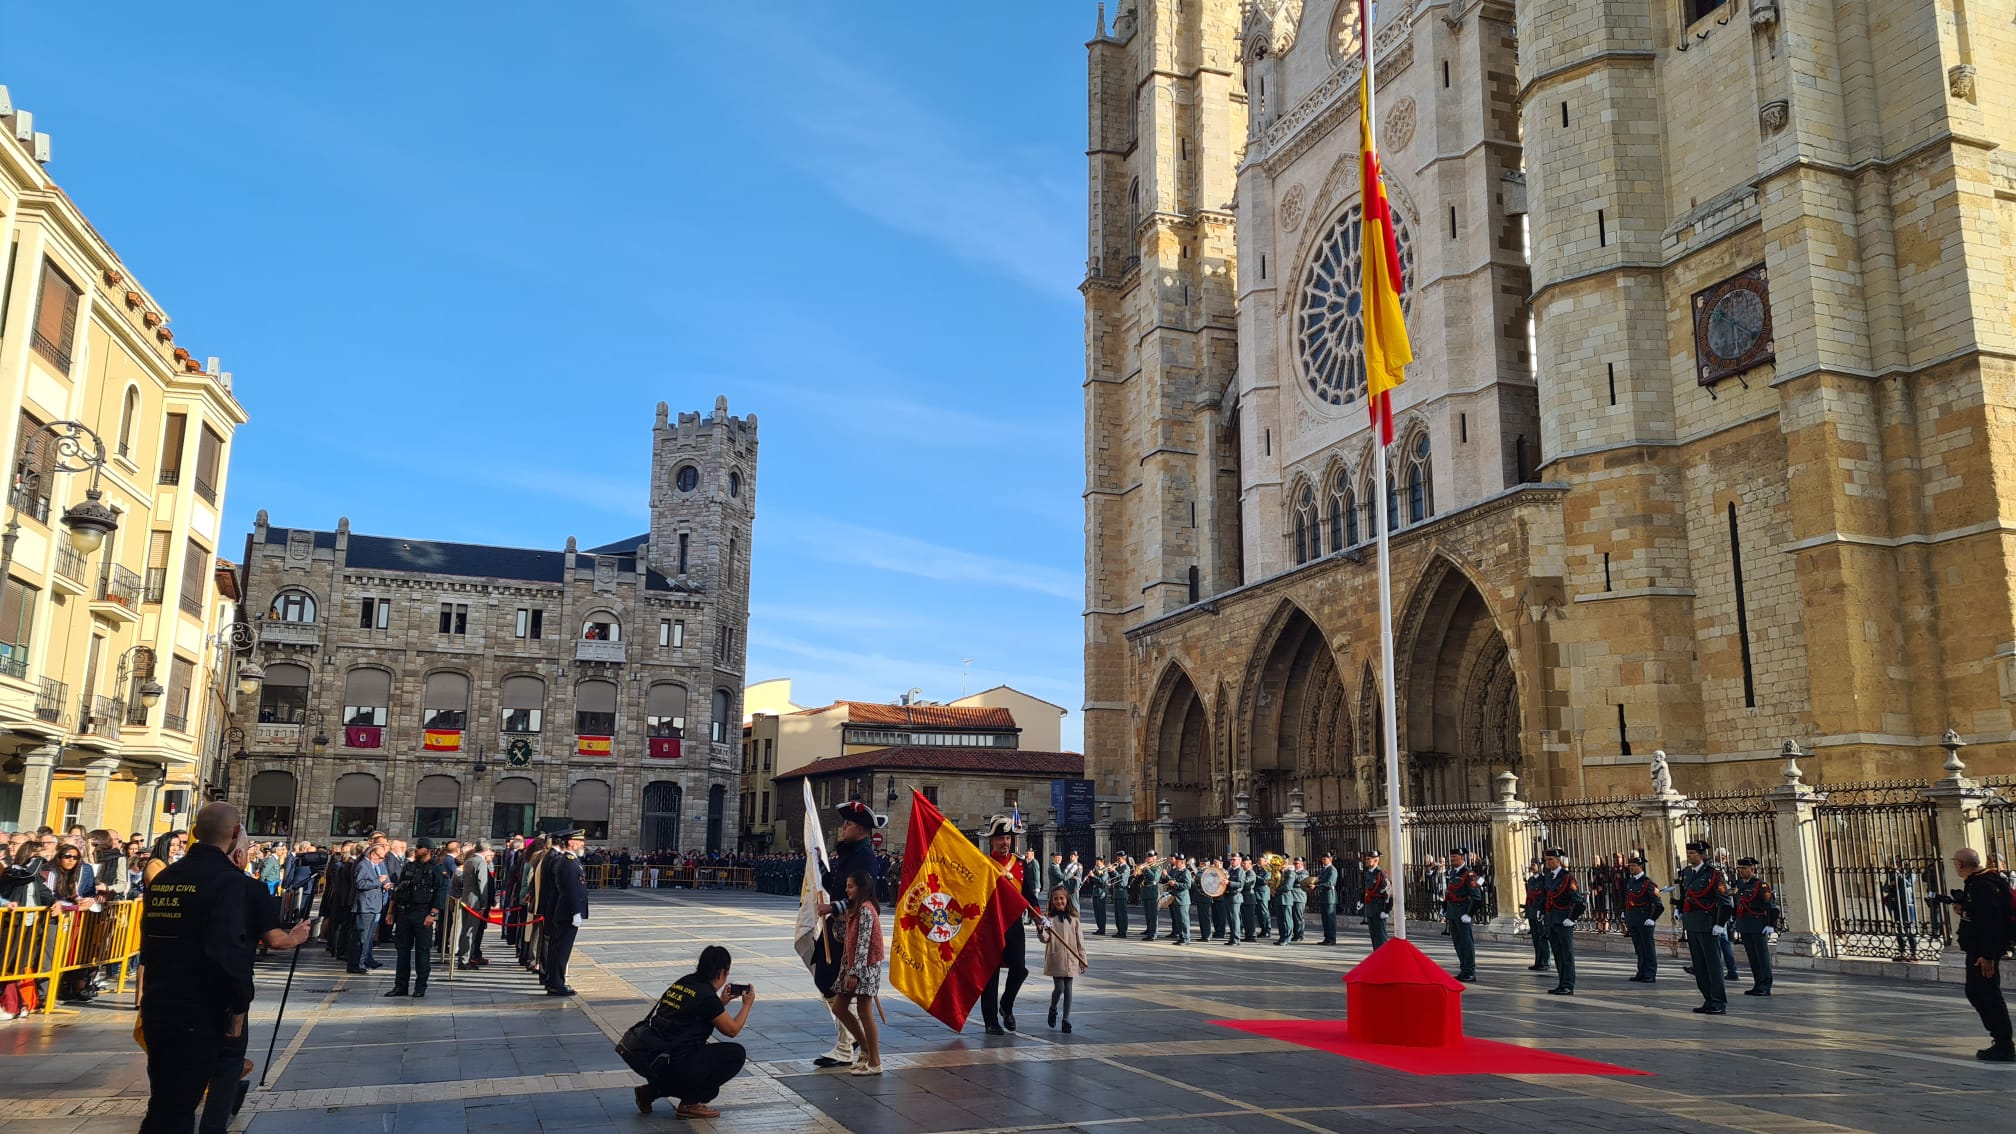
[1180,736]
[1301,724]
[1460,717]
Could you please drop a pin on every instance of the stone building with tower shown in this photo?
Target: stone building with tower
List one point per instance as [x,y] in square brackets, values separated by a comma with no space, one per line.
[421,687]
[1704,448]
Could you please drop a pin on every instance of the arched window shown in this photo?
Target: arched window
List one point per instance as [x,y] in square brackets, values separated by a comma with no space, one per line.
[602,626]
[126,418]
[687,478]
[662,800]
[1133,205]
[293,606]
[356,811]
[367,699]
[524,703]
[665,710]
[1347,507]
[1420,483]
[595,708]
[1308,533]
[270,805]
[436,803]
[446,703]
[719,728]
[734,483]
[511,807]
[588,808]
[283,696]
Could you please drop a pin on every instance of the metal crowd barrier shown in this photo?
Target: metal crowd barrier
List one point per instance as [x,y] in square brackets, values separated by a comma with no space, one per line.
[39,945]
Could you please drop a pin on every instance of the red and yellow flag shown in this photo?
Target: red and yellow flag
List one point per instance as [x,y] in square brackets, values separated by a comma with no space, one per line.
[952,917]
[1387,350]
[441,740]
[591,745]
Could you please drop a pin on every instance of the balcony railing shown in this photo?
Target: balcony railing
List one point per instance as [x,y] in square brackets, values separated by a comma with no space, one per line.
[100,716]
[205,489]
[70,564]
[174,722]
[14,660]
[48,348]
[122,586]
[588,649]
[191,604]
[169,476]
[34,503]
[290,633]
[50,699]
[156,586]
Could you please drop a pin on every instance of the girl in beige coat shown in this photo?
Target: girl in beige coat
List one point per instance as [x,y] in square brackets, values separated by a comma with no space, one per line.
[1063,951]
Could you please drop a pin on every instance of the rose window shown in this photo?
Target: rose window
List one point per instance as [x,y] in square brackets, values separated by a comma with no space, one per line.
[1329,323]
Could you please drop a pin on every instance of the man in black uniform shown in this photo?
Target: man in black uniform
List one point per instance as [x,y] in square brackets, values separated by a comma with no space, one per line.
[196,941]
[416,900]
[853,851]
[1561,904]
[1756,918]
[1642,908]
[1536,917]
[566,899]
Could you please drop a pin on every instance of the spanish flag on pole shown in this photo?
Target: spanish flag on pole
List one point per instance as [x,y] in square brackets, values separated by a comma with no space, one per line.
[1387,351]
[952,917]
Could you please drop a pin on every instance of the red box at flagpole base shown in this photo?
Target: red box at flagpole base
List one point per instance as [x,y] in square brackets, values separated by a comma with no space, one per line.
[1398,996]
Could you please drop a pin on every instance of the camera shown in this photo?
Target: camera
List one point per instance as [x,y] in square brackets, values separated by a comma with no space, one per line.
[734,990]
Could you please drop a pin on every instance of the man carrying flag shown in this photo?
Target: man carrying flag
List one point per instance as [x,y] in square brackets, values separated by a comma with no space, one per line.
[954,915]
[996,1006]
[854,853]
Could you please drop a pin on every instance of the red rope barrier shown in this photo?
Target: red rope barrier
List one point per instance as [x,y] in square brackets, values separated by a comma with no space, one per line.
[498,917]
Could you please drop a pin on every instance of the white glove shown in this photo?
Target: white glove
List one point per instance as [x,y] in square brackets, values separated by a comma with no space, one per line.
[1382,917]
[1466,919]
[1721,931]
[1769,933]
[1650,924]
[1567,925]
[580,920]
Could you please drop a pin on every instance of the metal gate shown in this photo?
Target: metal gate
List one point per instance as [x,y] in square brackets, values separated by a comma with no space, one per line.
[1879,856]
[1201,837]
[1432,832]
[1600,836]
[661,816]
[1998,819]
[1134,838]
[1340,832]
[1746,825]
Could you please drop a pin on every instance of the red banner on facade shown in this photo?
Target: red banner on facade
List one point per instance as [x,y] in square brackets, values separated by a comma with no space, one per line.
[363,736]
[665,748]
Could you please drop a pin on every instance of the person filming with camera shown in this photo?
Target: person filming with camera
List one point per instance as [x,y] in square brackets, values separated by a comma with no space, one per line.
[1984,905]
[669,1047]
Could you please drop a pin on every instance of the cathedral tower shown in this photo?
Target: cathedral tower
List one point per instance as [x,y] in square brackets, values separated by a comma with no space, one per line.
[1167,114]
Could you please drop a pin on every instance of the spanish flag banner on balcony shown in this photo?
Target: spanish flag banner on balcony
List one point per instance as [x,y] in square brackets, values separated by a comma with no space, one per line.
[591,746]
[952,917]
[1387,348]
[441,740]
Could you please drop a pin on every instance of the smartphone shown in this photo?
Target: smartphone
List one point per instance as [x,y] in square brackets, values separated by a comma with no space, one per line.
[734,990]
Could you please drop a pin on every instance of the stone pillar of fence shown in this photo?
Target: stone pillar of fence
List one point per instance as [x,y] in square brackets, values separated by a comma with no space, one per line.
[1392,842]
[1165,828]
[97,778]
[35,785]
[1239,826]
[1959,800]
[1295,828]
[1102,833]
[1664,815]
[1803,893]
[1513,824]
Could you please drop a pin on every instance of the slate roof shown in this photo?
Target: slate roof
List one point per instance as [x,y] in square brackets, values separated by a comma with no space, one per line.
[1005,761]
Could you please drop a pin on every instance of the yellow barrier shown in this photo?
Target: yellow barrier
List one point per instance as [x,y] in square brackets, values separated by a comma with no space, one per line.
[40,944]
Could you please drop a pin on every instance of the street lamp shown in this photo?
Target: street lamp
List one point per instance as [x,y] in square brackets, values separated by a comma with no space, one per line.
[480,767]
[77,449]
[149,690]
[311,722]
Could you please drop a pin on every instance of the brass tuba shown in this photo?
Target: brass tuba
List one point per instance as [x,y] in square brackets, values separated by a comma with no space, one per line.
[1275,866]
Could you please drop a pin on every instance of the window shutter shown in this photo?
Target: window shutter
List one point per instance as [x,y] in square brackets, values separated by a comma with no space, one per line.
[194,566]
[171,447]
[157,549]
[180,677]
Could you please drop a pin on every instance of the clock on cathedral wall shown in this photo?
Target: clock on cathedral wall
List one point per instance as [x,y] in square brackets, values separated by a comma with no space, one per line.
[1732,327]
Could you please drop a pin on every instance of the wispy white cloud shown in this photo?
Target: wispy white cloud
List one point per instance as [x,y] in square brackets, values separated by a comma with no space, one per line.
[916,422]
[822,672]
[835,541]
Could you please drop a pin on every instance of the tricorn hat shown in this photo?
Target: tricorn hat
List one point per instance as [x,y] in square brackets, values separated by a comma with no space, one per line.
[856,812]
[1000,825]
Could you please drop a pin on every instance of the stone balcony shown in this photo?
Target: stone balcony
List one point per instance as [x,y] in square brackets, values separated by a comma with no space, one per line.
[290,633]
[588,650]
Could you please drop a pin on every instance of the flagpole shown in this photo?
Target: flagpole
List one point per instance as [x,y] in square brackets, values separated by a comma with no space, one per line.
[1389,703]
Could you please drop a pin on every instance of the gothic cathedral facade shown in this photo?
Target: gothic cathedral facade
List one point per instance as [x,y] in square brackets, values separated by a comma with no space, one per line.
[1707,442]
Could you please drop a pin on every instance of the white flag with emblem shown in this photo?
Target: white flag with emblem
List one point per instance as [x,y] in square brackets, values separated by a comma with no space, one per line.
[810,925]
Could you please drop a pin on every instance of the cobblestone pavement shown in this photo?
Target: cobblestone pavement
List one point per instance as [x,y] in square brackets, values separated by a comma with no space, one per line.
[487,1052]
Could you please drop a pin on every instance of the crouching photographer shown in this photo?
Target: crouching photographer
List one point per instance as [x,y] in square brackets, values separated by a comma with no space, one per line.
[669,1047]
[1984,905]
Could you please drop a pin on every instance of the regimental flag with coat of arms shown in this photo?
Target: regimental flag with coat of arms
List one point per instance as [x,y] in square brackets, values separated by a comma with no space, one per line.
[953,912]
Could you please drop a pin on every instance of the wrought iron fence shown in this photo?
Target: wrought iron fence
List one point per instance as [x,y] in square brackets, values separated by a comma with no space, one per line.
[1134,837]
[1746,825]
[1998,819]
[1267,836]
[1600,835]
[120,585]
[1340,832]
[1431,833]
[1047,840]
[50,699]
[1879,857]
[1200,837]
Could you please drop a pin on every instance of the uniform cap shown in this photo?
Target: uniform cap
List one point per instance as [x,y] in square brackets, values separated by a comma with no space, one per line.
[1698,847]
[1746,861]
[1459,850]
[1368,854]
[423,843]
[1556,852]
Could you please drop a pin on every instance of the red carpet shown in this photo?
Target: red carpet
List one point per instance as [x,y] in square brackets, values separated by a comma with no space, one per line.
[1475,1057]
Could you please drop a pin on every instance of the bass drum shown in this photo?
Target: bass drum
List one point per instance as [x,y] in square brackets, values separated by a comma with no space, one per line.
[1166,901]
[1213,880]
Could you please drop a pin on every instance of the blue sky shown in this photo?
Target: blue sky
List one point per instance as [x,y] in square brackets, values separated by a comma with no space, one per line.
[454,253]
